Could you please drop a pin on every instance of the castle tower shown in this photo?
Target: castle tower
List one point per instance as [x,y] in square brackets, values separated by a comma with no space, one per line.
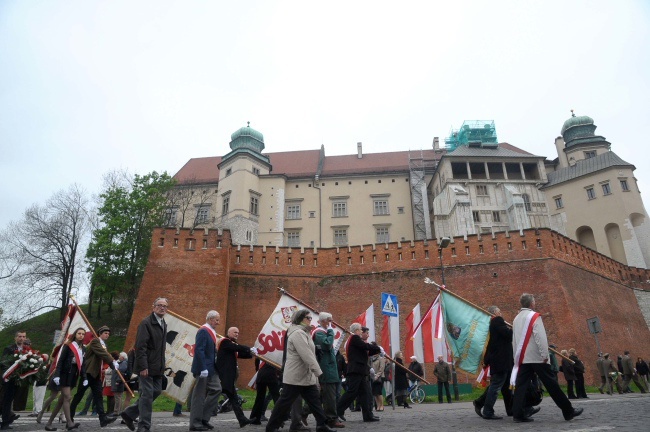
[239,185]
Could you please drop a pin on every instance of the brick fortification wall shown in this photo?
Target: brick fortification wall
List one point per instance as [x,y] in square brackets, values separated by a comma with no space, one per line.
[571,283]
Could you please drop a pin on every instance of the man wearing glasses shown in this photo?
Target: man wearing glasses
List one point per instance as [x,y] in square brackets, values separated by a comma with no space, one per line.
[149,365]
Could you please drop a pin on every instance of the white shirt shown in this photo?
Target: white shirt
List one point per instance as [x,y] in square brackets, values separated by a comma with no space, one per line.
[537,350]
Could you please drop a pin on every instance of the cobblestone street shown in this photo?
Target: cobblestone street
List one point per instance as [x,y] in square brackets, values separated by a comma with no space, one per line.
[601,413]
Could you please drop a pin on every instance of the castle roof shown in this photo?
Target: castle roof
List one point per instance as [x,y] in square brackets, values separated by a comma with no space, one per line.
[503,150]
[584,167]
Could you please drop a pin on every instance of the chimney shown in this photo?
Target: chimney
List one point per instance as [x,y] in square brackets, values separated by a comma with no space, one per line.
[436,143]
[359,152]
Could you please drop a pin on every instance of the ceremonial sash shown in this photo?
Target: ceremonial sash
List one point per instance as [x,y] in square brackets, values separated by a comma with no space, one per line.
[526,333]
[78,354]
[317,329]
[211,332]
[347,346]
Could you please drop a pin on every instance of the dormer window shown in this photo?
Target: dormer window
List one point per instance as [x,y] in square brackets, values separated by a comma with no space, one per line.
[590,154]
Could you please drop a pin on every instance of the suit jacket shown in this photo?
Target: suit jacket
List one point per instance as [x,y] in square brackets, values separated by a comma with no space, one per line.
[628,365]
[442,371]
[599,366]
[95,355]
[11,349]
[228,352]
[205,352]
[498,353]
[357,351]
[66,369]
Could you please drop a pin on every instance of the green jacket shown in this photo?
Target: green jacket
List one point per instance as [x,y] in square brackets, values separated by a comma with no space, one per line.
[555,368]
[324,341]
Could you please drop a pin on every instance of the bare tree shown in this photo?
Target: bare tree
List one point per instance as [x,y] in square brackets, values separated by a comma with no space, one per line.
[187,199]
[47,242]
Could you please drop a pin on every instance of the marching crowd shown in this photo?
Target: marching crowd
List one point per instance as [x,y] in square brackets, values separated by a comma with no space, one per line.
[311,381]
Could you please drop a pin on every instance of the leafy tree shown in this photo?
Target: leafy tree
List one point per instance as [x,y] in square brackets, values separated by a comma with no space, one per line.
[130,208]
[42,253]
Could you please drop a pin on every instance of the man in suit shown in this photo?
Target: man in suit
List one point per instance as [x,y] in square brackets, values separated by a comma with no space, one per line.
[323,337]
[358,373]
[228,352]
[498,355]
[629,374]
[602,372]
[18,347]
[95,356]
[150,344]
[611,374]
[207,389]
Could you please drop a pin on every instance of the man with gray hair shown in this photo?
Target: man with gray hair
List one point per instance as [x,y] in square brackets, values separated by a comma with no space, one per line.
[207,389]
[324,337]
[357,374]
[530,347]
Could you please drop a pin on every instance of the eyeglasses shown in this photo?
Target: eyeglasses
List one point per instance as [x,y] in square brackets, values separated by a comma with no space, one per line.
[162,306]
[308,317]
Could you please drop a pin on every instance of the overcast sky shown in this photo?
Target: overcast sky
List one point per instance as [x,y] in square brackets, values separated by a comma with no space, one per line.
[87,87]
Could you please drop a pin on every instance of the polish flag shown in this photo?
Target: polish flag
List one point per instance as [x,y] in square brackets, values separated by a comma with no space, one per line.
[413,344]
[431,330]
[367,319]
[385,334]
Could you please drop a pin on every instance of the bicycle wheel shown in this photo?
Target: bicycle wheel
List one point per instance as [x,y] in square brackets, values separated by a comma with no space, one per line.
[417,395]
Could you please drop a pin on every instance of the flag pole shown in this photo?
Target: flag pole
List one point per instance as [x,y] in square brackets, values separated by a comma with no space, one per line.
[182,318]
[126,384]
[443,288]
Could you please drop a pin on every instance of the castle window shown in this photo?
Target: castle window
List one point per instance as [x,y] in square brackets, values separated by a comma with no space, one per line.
[400,210]
[256,171]
[225,205]
[293,238]
[558,202]
[476,215]
[339,209]
[312,214]
[340,237]
[380,207]
[591,194]
[481,190]
[202,214]
[170,216]
[606,189]
[624,186]
[382,235]
[590,154]
[496,216]
[254,207]
[526,199]
[293,211]
[228,172]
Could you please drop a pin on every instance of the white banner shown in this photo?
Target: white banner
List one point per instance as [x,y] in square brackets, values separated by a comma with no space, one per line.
[270,342]
[179,352]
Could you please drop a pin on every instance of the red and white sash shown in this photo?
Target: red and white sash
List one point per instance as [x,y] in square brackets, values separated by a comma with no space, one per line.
[211,332]
[526,333]
[317,329]
[78,354]
[347,346]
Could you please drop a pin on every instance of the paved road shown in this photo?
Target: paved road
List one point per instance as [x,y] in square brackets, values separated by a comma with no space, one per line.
[602,413]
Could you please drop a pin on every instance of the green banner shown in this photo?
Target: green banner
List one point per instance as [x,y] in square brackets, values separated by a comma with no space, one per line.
[466,330]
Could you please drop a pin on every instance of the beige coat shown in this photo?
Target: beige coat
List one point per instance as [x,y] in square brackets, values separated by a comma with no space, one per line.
[301,367]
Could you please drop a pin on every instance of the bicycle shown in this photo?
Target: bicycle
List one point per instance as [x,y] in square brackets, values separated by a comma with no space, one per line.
[416,393]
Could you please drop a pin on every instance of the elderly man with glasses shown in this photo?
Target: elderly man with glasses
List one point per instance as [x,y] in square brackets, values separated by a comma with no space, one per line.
[149,365]
[301,372]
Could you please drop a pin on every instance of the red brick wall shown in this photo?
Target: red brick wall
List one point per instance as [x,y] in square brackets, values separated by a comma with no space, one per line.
[571,283]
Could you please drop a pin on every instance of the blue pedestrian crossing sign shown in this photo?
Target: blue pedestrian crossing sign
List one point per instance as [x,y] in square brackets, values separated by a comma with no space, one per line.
[389,305]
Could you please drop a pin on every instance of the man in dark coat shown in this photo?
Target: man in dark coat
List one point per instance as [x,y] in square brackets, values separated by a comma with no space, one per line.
[95,356]
[150,344]
[357,374]
[416,367]
[323,337]
[207,389]
[228,352]
[10,387]
[498,355]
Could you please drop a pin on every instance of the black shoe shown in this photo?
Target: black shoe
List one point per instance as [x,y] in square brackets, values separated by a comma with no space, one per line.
[478,408]
[13,418]
[407,406]
[128,421]
[74,426]
[342,418]
[199,428]
[7,427]
[492,417]
[324,428]
[263,419]
[371,419]
[532,411]
[106,420]
[575,413]
[254,421]
[47,428]
[244,422]
[522,420]
[300,428]
[208,425]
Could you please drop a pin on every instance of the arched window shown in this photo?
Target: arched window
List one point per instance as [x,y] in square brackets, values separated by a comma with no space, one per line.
[526,199]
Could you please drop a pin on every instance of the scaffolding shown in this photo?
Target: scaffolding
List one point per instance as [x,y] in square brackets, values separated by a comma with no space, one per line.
[471,132]
[418,167]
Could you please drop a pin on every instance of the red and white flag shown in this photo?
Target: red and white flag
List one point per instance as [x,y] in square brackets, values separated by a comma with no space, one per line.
[431,329]
[367,319]
[413,344]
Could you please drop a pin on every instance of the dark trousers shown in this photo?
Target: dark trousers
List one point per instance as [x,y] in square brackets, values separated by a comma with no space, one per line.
[580,386]
[498,381]
[96,388]
[289,394]
[543,371]
[236,406]
[259,407]
[569,388]
[7,401]
[81,390]
[358,385]
[446,385]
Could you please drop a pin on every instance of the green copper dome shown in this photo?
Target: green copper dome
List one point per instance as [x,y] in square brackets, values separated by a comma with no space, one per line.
[579,129]
[247,138]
